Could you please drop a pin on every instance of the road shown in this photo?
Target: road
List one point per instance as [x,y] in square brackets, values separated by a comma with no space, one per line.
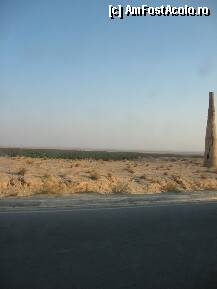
[155,246]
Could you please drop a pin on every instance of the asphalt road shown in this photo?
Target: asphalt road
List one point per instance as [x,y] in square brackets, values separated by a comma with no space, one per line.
[165,247]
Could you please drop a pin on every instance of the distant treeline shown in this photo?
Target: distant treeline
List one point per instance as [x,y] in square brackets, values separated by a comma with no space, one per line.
[77,154]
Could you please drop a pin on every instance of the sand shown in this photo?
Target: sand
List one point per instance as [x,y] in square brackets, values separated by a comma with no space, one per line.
[22,176]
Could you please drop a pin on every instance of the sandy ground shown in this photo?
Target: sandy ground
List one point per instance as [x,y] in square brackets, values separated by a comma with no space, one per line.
[21,176]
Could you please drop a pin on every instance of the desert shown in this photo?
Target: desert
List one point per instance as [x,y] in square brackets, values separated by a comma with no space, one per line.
[28,176]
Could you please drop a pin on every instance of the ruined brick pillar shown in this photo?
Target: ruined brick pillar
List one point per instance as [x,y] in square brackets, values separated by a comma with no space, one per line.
[210,155]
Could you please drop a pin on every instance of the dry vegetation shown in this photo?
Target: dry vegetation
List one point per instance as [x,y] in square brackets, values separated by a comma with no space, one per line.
[24,176]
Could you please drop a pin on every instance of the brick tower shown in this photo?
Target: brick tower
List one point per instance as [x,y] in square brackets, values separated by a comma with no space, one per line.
[210,155]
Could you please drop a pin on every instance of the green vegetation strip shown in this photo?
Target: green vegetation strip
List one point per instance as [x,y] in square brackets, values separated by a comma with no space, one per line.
[77,154]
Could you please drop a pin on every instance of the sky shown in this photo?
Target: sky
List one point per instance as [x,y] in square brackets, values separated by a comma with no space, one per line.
[71,77]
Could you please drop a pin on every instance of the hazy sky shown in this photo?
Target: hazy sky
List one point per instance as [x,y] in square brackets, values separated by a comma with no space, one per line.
[71,77]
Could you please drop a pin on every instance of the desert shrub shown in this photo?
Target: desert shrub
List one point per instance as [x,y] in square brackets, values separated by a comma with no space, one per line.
[203,176]
[197,171]
[143,177]
[172,187]
[47,176]
[120,187]
[130,169]
[146,178]
[94,175]
[63,175]
[109,175]
[22,172]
